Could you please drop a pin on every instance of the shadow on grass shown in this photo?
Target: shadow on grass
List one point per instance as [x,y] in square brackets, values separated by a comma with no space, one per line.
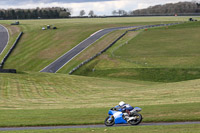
[145,74]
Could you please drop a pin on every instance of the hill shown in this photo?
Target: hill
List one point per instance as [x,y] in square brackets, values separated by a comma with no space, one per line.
[39,48]
[170,9]
[162,55]
[31,99]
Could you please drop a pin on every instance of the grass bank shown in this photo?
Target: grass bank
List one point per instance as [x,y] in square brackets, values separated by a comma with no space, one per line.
[39,48]
[58,99]
[166,54]
[13,34]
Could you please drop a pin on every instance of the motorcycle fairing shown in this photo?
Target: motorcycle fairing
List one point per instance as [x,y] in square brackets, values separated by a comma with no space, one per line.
[118,117]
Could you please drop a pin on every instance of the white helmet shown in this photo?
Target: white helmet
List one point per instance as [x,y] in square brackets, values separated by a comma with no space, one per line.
[122,103]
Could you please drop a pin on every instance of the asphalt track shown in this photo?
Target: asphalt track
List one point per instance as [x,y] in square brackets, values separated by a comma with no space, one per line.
[93,126]
[67,57]
[4,37]
[64,59]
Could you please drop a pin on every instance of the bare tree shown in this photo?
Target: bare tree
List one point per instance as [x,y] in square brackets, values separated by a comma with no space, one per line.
[82,13]
[120,12]
[91,13]
[124,12]
[114,12]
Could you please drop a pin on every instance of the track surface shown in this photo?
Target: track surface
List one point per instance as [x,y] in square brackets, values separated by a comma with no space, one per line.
[64,59]
[93,126]
[4,36]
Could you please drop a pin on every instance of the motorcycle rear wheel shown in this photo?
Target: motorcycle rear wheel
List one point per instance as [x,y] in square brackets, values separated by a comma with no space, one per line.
[109,123]
[138,120]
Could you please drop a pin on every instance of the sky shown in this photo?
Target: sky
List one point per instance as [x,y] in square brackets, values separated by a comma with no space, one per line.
[100,7]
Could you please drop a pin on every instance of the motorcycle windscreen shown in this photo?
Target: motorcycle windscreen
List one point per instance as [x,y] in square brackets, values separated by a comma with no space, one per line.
[111,112]
[119,119]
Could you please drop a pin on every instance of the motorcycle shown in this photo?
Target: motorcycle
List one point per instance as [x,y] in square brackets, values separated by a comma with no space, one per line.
[117,116]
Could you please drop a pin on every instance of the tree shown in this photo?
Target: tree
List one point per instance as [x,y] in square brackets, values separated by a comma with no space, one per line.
[63,14]
[82,13]
[54,12]
[123,12]
[114,12]
[91,13]
[170,9]
[120,12]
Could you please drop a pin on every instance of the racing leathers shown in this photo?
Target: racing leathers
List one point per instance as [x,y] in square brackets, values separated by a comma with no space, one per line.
[125,108]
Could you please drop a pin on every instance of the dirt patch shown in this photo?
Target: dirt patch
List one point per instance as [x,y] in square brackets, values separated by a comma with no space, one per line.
[12,29]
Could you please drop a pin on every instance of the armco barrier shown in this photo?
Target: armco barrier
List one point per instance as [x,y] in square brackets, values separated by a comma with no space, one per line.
[8,71]
[98,54]
[10,51]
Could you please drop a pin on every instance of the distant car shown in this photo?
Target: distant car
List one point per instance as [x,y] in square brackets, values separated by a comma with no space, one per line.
[16,23]
[191,19]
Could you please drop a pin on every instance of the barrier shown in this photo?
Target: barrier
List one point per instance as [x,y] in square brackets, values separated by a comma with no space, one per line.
[8,71]
[10,51]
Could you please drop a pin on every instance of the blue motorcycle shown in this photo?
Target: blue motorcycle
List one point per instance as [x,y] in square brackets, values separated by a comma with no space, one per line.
[117,116]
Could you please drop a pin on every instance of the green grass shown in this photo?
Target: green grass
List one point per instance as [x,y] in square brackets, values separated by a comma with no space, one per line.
[92,50]
[13,34]
[176,47]
[32,98]
[38,48]
[159,54]
[80,116]
[57,99]
[194,128]
[145,74]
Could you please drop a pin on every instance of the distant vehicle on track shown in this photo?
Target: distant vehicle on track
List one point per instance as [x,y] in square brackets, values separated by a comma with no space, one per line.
[15,23]
[191,19]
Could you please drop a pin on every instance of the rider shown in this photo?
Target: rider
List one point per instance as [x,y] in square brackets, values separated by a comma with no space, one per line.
[123,107]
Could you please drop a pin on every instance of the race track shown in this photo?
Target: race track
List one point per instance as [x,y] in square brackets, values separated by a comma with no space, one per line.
[93,126]
[64,59]
[4,37]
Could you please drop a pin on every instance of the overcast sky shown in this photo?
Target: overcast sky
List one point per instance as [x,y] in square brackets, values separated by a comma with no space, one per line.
[100,7]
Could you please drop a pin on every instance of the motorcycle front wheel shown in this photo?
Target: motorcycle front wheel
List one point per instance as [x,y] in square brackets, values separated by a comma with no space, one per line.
[109,122]
[138,119]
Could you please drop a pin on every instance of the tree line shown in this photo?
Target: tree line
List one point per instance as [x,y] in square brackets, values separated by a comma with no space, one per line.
[44,13]
[58,12]
[170,8]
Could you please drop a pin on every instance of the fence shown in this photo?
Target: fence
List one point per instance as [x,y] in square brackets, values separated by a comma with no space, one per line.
[104,50]
[10,51]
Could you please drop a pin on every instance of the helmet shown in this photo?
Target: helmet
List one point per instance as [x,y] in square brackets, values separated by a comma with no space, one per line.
[122,103]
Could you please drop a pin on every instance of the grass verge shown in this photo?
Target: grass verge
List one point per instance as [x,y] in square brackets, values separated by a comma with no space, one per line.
[13,34]
[85,116]
[194,128]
